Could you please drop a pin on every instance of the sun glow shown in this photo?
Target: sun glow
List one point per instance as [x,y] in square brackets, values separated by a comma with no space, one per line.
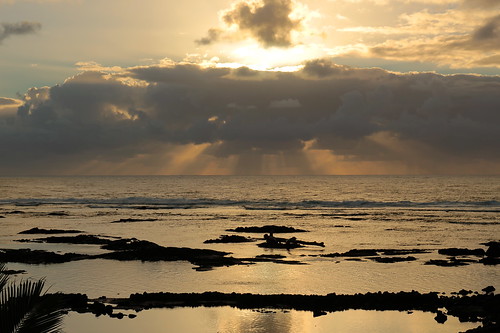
[258,58]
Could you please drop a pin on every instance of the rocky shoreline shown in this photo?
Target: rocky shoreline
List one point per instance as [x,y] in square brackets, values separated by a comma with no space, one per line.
[204,259]
[467,306]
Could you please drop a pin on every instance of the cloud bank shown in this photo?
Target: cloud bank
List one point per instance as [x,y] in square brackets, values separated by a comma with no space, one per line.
[325,118]
[18,28]
[449,33]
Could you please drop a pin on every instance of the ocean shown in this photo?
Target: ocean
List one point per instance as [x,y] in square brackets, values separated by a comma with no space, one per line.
[425,213]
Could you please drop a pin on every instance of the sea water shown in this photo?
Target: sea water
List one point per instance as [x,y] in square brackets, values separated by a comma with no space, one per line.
[344,212]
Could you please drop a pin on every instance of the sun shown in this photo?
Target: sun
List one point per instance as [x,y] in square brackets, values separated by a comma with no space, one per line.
[256,57]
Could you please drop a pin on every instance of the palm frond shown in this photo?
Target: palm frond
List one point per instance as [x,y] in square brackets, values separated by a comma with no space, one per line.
[3,277]
[24,309]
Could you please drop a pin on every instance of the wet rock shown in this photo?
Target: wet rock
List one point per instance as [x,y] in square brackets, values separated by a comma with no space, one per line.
[279,246]
[80,239]
[277,259]
[118,315]
[133,249]
[488,290]
[267,229]
[387,260]
[490,261]
[493,249]
[37,230]
[462,252]
[270,256]
[13,272]
[359,253]
[440,317]
[467,308]
[230,239]
[28,256]
[318,313]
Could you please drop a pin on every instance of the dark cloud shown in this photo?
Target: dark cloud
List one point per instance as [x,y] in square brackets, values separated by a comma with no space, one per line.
[268,21]
[424,120]
[18,28]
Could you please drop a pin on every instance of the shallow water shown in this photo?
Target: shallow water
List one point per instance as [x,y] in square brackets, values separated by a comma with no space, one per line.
[230,320]
[343,212]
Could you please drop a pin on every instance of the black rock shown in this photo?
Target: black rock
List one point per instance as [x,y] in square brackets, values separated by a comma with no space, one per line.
[493,250]
[267,229]
[440,317]
[58,214]
[489,289]
[230,239]
[461,252]
[134,220]
[392,259]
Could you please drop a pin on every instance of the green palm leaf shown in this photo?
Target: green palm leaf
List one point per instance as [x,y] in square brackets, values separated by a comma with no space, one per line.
[25,309]
[3,277]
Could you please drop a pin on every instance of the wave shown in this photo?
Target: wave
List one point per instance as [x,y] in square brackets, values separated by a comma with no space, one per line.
[268,204]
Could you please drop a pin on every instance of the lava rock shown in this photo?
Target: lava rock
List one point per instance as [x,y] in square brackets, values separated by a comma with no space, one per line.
[230,239]
[267,229]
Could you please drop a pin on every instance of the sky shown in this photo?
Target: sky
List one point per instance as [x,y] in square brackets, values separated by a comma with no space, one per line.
[127,87]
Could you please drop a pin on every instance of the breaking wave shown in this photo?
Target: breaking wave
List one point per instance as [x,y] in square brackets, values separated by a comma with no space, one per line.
[186,203]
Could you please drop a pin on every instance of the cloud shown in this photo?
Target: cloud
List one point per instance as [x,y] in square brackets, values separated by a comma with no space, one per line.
[181,117]
[487,36]
[463,34]
[270,22]
[213,35]
[18,28]
[478,45]
[488,4]
[4,101]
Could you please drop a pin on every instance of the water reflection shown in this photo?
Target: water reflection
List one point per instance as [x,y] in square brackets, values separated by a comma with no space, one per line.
[230,320]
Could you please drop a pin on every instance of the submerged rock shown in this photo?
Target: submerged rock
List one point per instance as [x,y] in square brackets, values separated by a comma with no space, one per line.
[353,253]
[37,230]
[28,256]
[452,262]
[386,260]
[59,213]
[134,220]
[80,239]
